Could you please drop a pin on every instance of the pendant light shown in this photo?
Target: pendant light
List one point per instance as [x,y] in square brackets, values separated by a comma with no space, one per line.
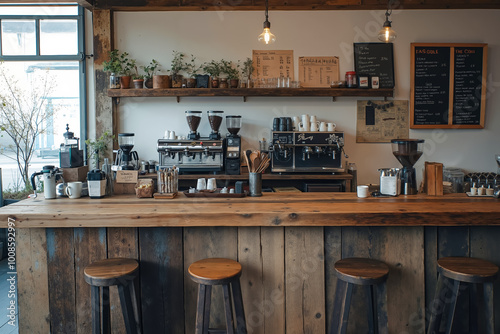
[267,37]
[387,34]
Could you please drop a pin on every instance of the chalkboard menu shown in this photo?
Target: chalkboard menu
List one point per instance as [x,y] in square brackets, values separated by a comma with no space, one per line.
[375,59]
[448,85]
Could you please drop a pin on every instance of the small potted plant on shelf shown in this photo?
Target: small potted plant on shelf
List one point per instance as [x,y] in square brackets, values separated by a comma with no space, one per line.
[114,67]
[246,72]
[138,79]
[192,71]
[232,72]
[177,66]
[127,66]
[150,71]
[213,69]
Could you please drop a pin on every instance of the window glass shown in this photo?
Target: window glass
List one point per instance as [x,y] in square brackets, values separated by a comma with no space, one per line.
[38,10]
[18,37]
[58,37]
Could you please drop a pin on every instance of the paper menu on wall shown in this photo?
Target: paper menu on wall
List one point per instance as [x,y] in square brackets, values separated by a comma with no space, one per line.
[318,71]
[273,63]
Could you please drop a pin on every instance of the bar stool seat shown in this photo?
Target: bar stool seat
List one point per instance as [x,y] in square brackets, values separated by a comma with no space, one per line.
[120,272]
[365,272]
[460,270]
[218,271]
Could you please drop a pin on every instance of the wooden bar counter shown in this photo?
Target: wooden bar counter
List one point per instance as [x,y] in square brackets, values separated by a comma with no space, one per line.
[287,244]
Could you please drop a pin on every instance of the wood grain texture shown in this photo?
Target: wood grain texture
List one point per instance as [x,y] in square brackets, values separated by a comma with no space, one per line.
[214,269]
[162,280]
[272,209]
[305,280]
[33,283]
[201,243]
[61,270]
[467,269]
[90,246]
[122,242]
[112,270]
[333,253]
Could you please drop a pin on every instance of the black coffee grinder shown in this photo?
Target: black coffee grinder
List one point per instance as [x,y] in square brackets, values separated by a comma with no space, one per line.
[233,145]
[126,158]
[408,151]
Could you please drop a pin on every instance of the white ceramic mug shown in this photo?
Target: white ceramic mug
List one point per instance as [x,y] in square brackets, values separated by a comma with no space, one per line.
[314,126]
[331,126]
[171,135]
[202,184]
[296,122]
[362,191]
[313,119]
[322,126]
[167,134]
[306,123]
[74,189]
[211,184]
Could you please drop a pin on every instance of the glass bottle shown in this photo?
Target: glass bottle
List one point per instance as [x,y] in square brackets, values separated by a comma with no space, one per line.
[351,169]
[106,168]
[114,81]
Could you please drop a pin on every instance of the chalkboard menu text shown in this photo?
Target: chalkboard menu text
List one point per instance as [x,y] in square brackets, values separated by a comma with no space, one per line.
[375,59]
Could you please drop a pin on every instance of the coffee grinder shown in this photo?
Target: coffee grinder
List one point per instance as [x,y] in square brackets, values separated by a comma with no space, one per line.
[193,118]
[408,151]
[233,145]
[126,159]
[70,155]
[215,120]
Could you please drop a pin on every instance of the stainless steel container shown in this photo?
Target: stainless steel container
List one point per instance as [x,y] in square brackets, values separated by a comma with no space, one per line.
[255,184]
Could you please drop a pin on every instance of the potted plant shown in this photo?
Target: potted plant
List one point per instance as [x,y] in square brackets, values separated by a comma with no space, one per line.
[232,72]
[150,71]
[114,67]
[192,71]
[138,79]
[246,72]
[127,66]
[177,66]
[96,150]
[213,69]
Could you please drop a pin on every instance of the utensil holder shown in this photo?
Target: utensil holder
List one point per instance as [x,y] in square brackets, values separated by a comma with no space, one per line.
[255,184]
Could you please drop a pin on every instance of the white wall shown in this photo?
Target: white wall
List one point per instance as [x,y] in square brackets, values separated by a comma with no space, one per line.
[233,35]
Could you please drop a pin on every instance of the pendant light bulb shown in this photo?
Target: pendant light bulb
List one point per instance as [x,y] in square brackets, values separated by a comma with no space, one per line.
[387,34]
[267,37]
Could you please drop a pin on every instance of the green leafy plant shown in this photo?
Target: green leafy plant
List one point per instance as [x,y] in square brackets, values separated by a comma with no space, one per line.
[127,64]
[137,76]
[151,69]
[213,68]
[231,71]
[96,150]
[247,69]
[191,68]
[177,63]
[114,64]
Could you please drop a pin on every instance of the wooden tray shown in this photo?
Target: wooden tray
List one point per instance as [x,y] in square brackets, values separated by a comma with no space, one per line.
[164,195]
[470,195]
[213,194]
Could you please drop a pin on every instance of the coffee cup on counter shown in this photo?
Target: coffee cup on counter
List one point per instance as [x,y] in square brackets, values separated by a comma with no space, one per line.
[211,184]
[201,184]
[73,189]
[362,191]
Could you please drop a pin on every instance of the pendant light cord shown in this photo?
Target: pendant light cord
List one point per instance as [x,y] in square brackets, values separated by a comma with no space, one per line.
[267,16]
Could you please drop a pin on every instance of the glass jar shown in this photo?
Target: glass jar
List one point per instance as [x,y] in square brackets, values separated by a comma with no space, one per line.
[114,81]
[350,79]
[457,181]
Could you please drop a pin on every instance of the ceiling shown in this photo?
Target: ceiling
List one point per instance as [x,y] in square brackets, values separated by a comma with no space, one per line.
[240,5]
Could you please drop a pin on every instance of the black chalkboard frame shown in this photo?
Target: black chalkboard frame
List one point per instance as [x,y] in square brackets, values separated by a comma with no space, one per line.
[451,93]
[388,52]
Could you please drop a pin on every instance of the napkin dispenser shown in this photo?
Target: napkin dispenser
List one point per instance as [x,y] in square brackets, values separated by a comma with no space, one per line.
[96,180]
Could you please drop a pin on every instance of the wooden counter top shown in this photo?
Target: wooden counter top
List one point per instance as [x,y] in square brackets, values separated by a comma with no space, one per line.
[272,209]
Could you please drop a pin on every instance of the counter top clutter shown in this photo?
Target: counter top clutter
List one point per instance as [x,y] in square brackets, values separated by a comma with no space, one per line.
[271,209]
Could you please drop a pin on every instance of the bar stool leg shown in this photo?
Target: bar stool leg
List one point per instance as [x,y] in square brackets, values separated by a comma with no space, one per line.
[241,327]
[382,308]
[135,306]
[437,308]
[106,318]
[451,314]
[474,323]
[96,314]
[208,303]
[371,310]
[488,307]
[127,309]
[228,309]
[200,310]
[341,305]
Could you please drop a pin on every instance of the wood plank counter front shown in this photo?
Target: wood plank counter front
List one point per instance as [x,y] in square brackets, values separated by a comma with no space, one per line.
[287,245]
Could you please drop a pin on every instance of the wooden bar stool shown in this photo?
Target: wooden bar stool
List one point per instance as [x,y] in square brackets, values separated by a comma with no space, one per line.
[460,270]
[370,274]
[225,272]
[108,272]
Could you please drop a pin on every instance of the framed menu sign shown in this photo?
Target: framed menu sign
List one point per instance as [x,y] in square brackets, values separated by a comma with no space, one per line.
[375,59]
[448,85]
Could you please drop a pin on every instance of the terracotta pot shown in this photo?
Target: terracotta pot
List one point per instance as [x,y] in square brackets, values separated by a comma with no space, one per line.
[162,81]
[125,81]
[223,83]
[148,83]
[139,83]
[191,82]
[215,82]
[233,83]
[177,81]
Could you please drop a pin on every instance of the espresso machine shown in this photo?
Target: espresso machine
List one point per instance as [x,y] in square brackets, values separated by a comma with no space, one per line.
[126,159]
[408,151]
[233,145]
[70,154]
[307,152]
[195,154]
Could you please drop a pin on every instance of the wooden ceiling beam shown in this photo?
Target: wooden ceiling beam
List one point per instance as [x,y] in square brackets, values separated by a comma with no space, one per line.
[89,4]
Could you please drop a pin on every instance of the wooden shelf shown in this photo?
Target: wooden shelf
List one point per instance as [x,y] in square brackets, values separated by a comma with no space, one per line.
[247,92]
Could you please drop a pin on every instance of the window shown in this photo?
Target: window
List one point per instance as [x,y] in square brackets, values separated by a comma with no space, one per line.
[45,42]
